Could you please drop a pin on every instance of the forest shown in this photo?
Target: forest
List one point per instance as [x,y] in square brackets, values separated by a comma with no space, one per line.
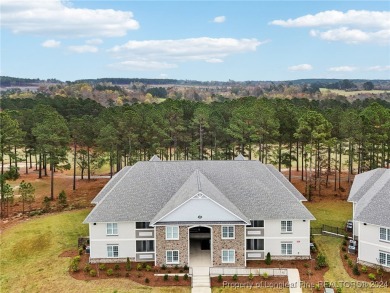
[318,138]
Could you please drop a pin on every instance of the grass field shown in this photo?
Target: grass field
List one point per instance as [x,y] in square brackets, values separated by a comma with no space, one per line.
[350,93]
[30,259]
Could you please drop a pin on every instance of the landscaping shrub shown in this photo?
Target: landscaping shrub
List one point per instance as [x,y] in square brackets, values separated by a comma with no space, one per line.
[306,265]
[163,267]
[116,267]
[74,264]
[92,273]
[355,270]
[185,267]
[148,268]
[185,277]
[81,251]
[165,277]
[350,263]
[379,272]
[144,265]
[346,237]
[102,267]
[110,272]
[344,242]
[220,278]
[339,290]
[147,281]
[346,256]
[343,249]
[321,260]
[139,267]
[364,269]
[62,200]
[317,287]
[128,264]
[181,271]
[87,268]
[46,204]
[176,267]
[265,275]
[235,278]
[372,277]
[250,277]
[176,278]
[268,259]
[317,267]
[309,272]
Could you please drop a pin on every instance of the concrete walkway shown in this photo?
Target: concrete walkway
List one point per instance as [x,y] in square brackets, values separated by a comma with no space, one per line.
[200,280]
[294,280]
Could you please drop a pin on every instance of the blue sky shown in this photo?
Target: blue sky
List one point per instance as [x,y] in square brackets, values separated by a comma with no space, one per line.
[200,40]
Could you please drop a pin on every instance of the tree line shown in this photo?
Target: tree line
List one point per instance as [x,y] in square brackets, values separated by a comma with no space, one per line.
[316,138]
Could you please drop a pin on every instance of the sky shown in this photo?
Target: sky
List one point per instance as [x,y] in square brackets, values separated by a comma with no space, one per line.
[195,40]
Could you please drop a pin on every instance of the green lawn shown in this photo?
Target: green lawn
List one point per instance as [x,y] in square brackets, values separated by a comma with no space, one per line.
[30,259]
[333,213]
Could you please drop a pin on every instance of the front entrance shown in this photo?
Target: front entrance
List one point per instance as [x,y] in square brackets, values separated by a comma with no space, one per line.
[200,246]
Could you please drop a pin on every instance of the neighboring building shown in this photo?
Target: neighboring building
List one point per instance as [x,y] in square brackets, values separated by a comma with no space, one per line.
[170,212]
[370,195]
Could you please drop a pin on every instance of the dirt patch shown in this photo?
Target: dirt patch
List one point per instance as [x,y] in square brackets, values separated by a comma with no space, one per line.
[142,276]
[380,280]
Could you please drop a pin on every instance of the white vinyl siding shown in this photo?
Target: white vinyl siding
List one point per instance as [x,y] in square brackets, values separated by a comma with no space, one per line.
[172,256]
[227,232]
[384,234]
[112,250]
[384,259]
[286,226]
[172,233]
[286,248]
[112,228]
[228,256]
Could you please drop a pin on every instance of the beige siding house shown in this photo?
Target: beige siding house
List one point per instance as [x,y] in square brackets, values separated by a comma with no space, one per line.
[170,212]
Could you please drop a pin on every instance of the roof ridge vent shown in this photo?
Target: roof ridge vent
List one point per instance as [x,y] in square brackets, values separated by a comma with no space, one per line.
[155,158]
[198,180]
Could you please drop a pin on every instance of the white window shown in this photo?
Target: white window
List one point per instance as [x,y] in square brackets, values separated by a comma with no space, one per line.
[286,248]
[172,233]
[384,259]
[384,234]
[228,255]
[172,256]
[286,226]
[112,228]
[112,250]
[227,232]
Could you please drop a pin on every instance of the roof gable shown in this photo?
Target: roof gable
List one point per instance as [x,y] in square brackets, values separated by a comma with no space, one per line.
[197,184]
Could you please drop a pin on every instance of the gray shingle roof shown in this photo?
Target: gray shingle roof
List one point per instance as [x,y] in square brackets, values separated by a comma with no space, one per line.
[138,193]
[196,183]
[371,193]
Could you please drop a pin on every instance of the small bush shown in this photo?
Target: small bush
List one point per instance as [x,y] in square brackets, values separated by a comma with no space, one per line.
[87,268]
[321,260]
[372,277]
[81,251]
[147,281]
[148,268]
[235,278]
[309,272]
[268,259]
[139,267]
[62,201]
[46,204]
[102,267]
[110,272]
[379,271]
[74,264]
[163,267]
[355,270]
[117,267]
[346,256]
[181,271]
[185,277]
[306,265]
[317,287]
[128,264]
[364,269]
[265,275]
[176,278]
[339,290]
[346,237]
[185,267]
[176,267]
[220,278]
[317,267]
[92,273]
[344,242]
[250,277]
[343,249]
[165,277]
[350,263]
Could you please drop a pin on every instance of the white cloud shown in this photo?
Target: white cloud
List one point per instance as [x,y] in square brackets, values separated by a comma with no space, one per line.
[301,67]
[352,27]
[94,42]
[162,54]
[342,69]
[54,17]
[219,19]
[379,68]
[142,65]
[83,49]
[51,44]
[360,18]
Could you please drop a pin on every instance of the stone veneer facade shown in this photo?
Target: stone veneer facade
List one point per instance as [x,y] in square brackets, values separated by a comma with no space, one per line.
[162,245]
[238,244]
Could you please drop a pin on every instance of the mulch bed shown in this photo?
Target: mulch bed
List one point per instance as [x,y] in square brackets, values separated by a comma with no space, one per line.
[134,275]
[363,276]
[245,282]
